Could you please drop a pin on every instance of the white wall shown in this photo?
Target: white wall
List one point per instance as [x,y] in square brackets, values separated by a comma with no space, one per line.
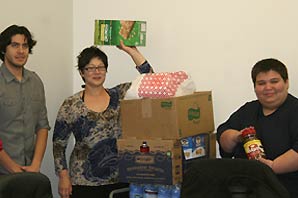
[216,41]
[51,25]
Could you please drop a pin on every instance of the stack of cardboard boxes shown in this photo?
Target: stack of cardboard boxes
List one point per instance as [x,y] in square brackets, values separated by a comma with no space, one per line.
[176,130]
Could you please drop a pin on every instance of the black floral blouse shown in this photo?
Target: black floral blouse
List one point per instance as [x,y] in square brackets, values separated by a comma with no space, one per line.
[93,161]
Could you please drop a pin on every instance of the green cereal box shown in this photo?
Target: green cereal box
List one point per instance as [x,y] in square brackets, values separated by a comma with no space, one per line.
[110,32]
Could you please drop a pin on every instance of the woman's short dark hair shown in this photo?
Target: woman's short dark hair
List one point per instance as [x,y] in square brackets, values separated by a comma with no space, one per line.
[5,38]
[89,53]
[266,65]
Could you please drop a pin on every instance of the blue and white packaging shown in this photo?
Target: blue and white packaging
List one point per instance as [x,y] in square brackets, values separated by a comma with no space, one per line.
[136,190]
[164,191]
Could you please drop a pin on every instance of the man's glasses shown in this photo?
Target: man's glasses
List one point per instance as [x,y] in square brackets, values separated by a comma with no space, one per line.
[95,68]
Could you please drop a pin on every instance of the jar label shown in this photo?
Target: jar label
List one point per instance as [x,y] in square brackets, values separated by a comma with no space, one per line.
[254,149]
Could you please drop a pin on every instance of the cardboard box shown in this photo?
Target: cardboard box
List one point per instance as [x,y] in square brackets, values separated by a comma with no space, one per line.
[161,165]
[196,146]
[212,146]
[171,118]
[110,32]
[201,146]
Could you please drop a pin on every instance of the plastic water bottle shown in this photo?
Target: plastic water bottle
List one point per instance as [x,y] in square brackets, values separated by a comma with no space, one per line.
[176,190]
[150,191]
[164,191]
[135,190]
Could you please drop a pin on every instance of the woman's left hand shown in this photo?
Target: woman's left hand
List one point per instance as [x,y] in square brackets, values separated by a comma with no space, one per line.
[136,56]
[128,49]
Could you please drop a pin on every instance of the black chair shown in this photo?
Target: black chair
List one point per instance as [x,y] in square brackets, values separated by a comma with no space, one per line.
[25,185]
[231,178]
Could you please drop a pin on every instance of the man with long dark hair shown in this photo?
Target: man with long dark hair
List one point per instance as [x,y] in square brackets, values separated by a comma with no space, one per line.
[23,115]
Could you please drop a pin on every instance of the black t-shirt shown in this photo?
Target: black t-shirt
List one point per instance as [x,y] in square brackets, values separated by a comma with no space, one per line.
[278,132]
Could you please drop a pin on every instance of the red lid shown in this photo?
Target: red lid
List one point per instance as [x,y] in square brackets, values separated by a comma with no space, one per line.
[248,131]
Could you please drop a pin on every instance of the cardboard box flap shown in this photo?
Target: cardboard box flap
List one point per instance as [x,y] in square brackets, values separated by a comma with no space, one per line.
[169,118]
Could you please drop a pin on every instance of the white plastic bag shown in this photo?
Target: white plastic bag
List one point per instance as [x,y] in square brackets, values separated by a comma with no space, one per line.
[161,85]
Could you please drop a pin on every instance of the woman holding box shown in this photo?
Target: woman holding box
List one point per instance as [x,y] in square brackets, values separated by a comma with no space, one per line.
[92,116]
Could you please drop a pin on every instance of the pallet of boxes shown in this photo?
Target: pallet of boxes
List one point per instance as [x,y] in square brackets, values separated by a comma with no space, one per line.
[160,138]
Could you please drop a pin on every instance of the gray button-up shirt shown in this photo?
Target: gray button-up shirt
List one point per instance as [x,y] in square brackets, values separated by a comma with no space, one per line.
[22,113]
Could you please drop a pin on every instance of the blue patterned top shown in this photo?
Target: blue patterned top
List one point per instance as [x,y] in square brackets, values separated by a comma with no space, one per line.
[93,161]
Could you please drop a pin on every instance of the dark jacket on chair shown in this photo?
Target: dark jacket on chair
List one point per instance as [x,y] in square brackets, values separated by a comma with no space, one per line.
[25,185]
[229,178]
